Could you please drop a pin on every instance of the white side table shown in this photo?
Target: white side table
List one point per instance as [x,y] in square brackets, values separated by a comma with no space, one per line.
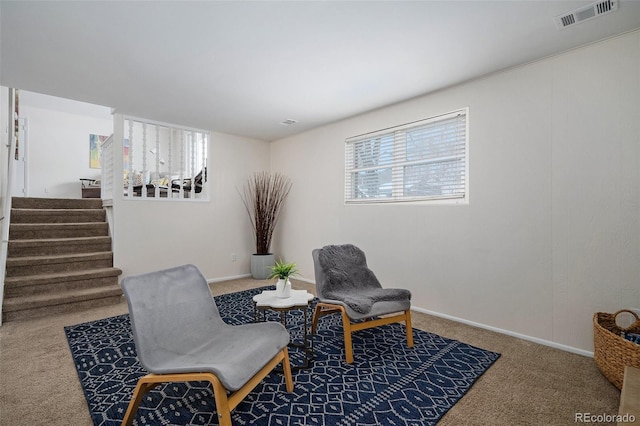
[299,299]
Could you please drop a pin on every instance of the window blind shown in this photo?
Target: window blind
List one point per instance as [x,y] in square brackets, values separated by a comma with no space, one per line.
[422,160]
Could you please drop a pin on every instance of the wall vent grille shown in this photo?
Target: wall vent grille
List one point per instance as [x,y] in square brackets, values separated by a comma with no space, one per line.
[568,20]
[586,13]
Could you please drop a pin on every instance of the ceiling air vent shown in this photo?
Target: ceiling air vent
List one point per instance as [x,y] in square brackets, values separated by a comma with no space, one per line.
[585,13]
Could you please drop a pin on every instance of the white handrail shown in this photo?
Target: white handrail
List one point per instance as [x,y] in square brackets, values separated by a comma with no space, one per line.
[106,184]
[6,190]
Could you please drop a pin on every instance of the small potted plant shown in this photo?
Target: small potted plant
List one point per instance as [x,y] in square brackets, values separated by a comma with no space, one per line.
[282,271]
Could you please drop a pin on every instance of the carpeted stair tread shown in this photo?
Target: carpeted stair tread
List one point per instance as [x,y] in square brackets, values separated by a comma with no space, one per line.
[62,276]
[55,241]
[62,297]
[36,265]
[60,258]
[57,210]
[55,203]
[57,215]
[57,230]
[58,225]
[47,246]
[47,311]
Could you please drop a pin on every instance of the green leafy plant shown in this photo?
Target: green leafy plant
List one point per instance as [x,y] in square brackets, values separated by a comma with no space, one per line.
[283,270]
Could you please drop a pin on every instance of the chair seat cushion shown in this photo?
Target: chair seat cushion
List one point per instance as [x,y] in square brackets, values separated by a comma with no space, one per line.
[363,301]
[233,353]
[378,308]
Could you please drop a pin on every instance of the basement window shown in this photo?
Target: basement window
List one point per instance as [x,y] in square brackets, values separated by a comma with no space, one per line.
[424,160]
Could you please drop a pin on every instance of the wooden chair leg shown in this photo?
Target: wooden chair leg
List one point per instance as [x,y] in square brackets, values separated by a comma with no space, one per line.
[222,402]
[349,328]
[225,403]
[409,331]
[348,345]
[145,384]
[321,310]
[316,315]
[286,369]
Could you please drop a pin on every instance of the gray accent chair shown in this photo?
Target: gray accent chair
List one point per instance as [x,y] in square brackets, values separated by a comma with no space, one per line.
[345,285]
[180,337]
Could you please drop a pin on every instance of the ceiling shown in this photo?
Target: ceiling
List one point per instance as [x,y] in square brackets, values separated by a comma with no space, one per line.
[243,67]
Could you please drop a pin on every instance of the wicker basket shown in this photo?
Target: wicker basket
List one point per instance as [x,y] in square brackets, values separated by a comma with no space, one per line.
[612,351]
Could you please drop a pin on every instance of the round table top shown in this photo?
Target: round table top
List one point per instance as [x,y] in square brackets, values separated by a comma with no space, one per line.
[269,299]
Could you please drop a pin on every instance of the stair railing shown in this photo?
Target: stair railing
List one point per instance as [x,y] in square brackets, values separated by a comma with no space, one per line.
[7,185]
[164,161]
[106,182]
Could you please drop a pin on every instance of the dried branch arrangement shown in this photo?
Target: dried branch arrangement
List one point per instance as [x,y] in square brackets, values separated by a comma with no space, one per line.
[264,195]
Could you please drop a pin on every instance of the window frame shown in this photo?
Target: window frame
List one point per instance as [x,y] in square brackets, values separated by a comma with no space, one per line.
[399,162]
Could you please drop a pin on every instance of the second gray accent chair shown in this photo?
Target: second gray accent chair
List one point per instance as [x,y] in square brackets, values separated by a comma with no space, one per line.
[345,285]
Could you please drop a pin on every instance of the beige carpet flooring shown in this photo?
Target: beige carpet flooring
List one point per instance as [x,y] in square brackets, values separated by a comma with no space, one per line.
[530,384]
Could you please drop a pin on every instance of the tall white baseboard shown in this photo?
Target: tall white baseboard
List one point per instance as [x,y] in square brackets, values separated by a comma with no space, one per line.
[508,333]
[497,330]
[233,277]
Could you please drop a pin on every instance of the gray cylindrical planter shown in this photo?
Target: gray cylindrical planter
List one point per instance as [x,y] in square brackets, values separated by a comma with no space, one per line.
[261,265]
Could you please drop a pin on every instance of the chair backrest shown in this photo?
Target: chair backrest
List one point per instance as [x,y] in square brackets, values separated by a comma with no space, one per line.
[342,266]
[171,311]
[319,272]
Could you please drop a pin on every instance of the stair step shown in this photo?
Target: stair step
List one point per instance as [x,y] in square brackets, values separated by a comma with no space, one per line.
[63,296]
[35,265]
[56,277]
[36,306]
[59,258]
[25,231]
[49,246]
[57,215]
[56,203]
[48,284]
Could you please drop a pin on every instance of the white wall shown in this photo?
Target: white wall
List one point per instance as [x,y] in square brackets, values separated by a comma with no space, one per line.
[551,233]
[157,234]
[58,147]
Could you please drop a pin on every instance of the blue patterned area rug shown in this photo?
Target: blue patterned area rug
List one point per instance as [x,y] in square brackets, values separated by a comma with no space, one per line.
[388,383]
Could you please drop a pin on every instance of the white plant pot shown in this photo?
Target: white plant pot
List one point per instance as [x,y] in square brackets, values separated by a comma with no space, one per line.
[261,265]
[283,289]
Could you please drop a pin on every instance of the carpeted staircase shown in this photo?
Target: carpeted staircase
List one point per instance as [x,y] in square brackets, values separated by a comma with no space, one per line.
[59,258]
